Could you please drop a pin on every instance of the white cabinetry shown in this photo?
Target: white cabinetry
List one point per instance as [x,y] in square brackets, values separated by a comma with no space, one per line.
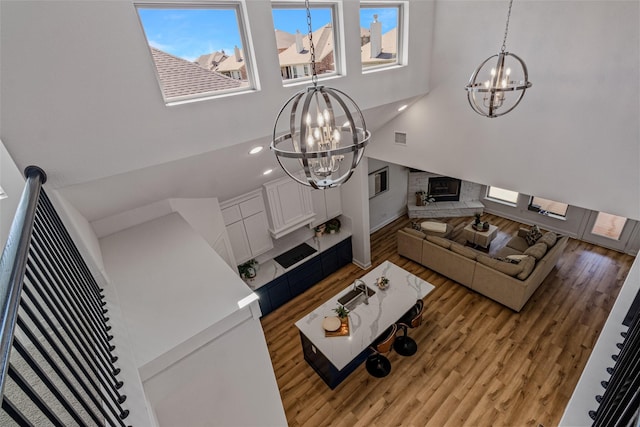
[289,204]
[247,226]
[326,205]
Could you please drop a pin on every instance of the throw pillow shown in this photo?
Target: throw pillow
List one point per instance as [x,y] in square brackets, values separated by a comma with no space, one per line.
[549,238]
[517,257]
[537,251]
[533,235]
[508,259]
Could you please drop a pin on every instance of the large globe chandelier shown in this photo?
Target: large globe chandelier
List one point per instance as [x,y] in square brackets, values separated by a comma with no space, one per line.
[493,91]
[325,132]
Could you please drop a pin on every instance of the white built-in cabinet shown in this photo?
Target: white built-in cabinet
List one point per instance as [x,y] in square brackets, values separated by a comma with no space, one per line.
[327,204]
[247,226]
[289,206]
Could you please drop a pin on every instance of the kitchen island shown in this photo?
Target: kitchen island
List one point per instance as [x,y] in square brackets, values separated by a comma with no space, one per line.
[334,358]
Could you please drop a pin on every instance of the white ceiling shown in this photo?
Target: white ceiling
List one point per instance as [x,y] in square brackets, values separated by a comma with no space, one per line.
[80,99]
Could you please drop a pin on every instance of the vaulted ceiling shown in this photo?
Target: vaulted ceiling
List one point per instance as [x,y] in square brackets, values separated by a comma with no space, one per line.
[80,99]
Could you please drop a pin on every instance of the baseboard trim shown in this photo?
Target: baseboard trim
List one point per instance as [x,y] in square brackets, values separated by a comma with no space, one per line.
[362,265]
[388,221]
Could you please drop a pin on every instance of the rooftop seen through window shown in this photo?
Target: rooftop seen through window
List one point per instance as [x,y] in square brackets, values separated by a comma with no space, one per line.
[197,50]
[379,30]
[292,40]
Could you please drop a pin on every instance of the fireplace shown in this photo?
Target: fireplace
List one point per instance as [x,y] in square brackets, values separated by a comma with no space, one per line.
[444,189]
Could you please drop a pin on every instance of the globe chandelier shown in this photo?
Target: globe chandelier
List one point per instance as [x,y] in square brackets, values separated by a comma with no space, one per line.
[495,91]
[325,132]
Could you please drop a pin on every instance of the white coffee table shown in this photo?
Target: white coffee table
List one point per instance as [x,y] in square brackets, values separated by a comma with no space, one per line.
[480,237]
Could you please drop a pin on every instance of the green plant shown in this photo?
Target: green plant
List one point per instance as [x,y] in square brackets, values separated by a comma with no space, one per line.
[247,270]
[341,311]
[333,225]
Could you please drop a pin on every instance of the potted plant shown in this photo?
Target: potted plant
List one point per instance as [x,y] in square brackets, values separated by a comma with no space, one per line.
[333,225]
[383,282]
[341,311]
[249,269]
[319,230]
[485,226]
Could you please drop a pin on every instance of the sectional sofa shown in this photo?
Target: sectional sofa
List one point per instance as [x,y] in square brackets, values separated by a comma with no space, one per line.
[510,278]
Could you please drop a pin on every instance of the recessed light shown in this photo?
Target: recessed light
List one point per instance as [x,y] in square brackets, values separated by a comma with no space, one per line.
[256,150]
[267,172]
[402,107]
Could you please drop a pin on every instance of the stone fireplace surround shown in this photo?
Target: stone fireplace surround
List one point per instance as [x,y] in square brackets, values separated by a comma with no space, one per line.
[468,204]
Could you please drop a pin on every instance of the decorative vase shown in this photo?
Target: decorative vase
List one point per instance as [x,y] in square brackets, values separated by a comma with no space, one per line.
[419,200]
[485,226]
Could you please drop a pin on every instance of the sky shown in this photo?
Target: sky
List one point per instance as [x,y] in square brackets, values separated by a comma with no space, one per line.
[189,33]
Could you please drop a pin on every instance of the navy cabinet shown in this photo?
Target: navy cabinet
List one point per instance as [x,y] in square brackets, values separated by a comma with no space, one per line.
[305,276]
[279,292]
[344,252]
[329,259]
[293,283]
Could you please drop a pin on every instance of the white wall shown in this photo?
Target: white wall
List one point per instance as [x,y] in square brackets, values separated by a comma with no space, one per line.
[101,117]
[392,204]
[576,223]
[575,136]
[12,182]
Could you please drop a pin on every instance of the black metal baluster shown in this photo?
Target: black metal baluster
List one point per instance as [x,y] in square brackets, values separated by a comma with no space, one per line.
[41,260]
[38,345]
[46,205]
[15,413]
[44,378]
[72,270]
[106,356]
[72,353]
[35,397]
[76,337]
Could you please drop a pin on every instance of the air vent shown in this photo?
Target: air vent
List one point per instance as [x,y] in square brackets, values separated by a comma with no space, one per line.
[401,138]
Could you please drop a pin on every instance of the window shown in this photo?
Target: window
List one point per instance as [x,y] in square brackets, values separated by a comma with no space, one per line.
[502,195]
[292,40]
[608,225]
[198,51]
[545,207]
[379,35]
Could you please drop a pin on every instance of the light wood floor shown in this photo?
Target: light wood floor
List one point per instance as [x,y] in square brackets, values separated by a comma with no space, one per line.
[478,363]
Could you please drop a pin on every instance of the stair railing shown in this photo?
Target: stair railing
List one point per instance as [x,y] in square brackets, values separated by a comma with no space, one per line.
[53,314]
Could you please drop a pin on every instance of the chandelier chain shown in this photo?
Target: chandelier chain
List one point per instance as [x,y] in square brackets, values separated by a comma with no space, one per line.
[312,49]
[506,28]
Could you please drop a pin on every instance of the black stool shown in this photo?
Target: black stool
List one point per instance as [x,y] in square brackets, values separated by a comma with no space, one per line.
[405,345]
[377,364]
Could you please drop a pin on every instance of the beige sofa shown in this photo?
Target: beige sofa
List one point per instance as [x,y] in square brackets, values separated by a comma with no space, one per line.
[508,283]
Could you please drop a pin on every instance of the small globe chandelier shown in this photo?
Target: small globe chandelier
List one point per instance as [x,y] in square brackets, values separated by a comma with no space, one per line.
[326,132]
[489,88]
